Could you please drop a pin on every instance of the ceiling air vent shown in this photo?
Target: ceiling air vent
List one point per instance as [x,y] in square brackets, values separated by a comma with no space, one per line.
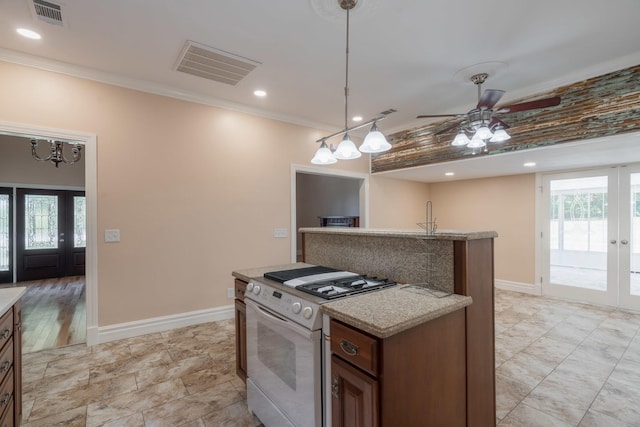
[214,64]
[47,12]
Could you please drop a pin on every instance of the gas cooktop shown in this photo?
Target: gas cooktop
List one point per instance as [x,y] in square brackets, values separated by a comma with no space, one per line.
[328,283]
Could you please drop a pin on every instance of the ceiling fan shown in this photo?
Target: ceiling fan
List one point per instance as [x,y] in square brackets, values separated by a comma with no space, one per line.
[481,121]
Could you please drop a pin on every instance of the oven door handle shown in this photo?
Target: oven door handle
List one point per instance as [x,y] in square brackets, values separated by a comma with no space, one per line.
[273,318]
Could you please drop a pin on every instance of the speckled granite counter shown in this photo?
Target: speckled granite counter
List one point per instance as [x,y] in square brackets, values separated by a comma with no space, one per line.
[248,273]
[420,234]
[393,310]
[9,296]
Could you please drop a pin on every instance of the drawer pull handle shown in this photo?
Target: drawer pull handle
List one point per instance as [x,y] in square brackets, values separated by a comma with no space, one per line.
[5,399]
[5,334]
[5,366]
[335,389]
[349,348]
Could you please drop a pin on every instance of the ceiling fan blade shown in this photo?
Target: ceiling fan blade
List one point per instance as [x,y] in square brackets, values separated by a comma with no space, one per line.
[489,98]
[427,116]
[496,121]
[531,105]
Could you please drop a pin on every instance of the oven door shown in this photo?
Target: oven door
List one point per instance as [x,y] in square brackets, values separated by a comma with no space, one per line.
[284,361]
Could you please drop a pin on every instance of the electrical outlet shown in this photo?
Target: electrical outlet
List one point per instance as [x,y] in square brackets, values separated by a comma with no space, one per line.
[112,235]
[280,233]
[230,293]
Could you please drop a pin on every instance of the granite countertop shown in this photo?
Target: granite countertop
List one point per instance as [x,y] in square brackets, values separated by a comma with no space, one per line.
[382,232]
[248,273]
[9,296]
[393,310]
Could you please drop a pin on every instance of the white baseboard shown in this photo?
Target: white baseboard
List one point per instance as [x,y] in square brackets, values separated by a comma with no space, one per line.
[102,334]
[525,288]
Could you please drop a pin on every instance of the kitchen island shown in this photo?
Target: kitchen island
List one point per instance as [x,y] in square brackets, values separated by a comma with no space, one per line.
[449,345]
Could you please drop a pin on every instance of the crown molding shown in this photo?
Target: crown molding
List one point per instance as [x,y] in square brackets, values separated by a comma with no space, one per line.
[87,73]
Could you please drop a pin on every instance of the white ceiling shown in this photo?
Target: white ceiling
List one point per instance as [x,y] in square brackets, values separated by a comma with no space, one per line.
[410,55]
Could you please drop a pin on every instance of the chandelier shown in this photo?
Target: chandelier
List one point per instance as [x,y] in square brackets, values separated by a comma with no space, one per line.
[56,154]
[374,142]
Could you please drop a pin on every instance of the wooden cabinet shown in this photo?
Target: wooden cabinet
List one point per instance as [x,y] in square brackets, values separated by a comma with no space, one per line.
[11,366]
[414,378]
[354,395]
[241,329]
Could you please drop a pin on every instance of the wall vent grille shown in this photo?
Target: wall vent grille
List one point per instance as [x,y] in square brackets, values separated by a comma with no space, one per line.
[214,64]
[48,12]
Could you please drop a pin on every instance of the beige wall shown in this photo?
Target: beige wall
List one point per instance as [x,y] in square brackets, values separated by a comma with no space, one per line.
[397,204]
[503,204]
[195,190]
[17,167]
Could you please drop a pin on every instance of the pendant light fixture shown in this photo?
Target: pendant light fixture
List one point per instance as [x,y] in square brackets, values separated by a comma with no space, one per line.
[374,142]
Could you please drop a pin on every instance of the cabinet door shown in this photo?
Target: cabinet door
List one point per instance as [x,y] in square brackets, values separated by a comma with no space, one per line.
[354,396]
[241,339]
[17,361]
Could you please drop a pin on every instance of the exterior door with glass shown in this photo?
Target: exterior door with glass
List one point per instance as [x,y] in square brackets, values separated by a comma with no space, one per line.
[50,234]
[591,236]
[6,235]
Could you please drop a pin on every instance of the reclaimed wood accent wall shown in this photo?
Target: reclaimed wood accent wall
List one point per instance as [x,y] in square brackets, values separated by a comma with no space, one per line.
[598,107]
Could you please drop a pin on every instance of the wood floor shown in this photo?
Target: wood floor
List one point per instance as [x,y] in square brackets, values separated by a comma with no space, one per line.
[53,313]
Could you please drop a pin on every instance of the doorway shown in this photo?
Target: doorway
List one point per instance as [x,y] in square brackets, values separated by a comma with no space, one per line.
[591,236]
[26,131]
[319,192]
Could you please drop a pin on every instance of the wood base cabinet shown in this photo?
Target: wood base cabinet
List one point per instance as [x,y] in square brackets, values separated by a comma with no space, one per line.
[354,395]
[11,366]
[414,378]
[241,329]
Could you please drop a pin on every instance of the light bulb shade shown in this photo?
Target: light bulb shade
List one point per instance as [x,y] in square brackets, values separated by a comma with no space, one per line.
[460,139]
[375,142]
[476,142]
[323,156]
[483,132]
[500,135]
[347,149]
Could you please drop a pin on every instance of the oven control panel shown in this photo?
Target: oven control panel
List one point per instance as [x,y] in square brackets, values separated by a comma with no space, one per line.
[284,304]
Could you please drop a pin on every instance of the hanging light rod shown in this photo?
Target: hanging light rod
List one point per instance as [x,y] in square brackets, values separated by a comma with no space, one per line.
[374,142]
[383,116]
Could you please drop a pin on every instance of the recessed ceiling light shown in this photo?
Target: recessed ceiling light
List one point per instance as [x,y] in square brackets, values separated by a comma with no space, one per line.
[357,118]
[260,93]
[530,164]
[449,173]
[29,34]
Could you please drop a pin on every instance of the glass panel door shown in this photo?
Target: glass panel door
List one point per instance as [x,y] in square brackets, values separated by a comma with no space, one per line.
[629,241]
[41,221]
[6,229]
[581,222]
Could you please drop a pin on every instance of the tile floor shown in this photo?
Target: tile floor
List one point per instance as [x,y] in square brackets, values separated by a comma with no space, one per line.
[558,364]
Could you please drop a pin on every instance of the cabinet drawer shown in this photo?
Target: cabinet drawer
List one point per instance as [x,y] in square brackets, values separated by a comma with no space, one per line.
[6,393]
[240,288]
[8,418]
[6,327]
[354,346]
[6,359]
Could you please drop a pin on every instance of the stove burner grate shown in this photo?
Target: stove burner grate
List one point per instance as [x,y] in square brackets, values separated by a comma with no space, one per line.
[335,288]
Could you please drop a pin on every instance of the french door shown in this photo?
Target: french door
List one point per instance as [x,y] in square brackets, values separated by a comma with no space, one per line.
[6,235]
[591,236]
[50,236]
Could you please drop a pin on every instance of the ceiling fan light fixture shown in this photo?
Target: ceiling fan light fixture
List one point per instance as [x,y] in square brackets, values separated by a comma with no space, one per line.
[461,139]
[347,149]
[375,141]
[323,156]
[476,142]
[500,135]
[483,132]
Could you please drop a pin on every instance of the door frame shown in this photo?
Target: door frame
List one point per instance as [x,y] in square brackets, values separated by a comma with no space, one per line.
[314,170]
[90,142]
